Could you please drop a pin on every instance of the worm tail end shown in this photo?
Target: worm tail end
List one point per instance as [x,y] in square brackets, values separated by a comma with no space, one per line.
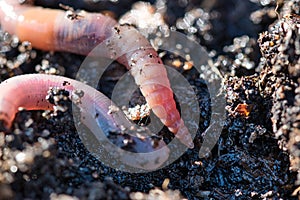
[184,136]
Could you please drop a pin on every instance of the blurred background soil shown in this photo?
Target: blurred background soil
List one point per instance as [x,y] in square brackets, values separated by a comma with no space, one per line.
[256,48]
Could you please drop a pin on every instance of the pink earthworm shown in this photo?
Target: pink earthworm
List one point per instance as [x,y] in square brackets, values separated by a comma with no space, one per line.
[79,33]
[30,90]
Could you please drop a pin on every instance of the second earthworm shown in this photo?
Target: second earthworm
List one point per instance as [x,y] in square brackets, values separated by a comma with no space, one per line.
[29,92]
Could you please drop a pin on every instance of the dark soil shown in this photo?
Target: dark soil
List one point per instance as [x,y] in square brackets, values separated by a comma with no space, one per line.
[257,156]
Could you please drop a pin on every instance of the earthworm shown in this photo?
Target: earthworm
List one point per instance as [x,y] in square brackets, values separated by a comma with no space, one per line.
[79,33]
[29,92]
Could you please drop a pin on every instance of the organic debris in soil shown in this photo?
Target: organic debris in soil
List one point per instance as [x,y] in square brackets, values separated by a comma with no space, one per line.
[280,47]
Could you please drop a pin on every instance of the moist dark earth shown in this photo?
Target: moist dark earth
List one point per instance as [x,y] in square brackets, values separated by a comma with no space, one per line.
[254,44]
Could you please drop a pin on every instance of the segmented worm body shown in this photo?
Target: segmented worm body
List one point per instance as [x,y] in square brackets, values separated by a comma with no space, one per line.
[29,92]
[51,29]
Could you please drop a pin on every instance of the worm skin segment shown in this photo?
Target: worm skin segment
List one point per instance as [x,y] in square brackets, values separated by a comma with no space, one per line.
[29,92]
[52,30]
